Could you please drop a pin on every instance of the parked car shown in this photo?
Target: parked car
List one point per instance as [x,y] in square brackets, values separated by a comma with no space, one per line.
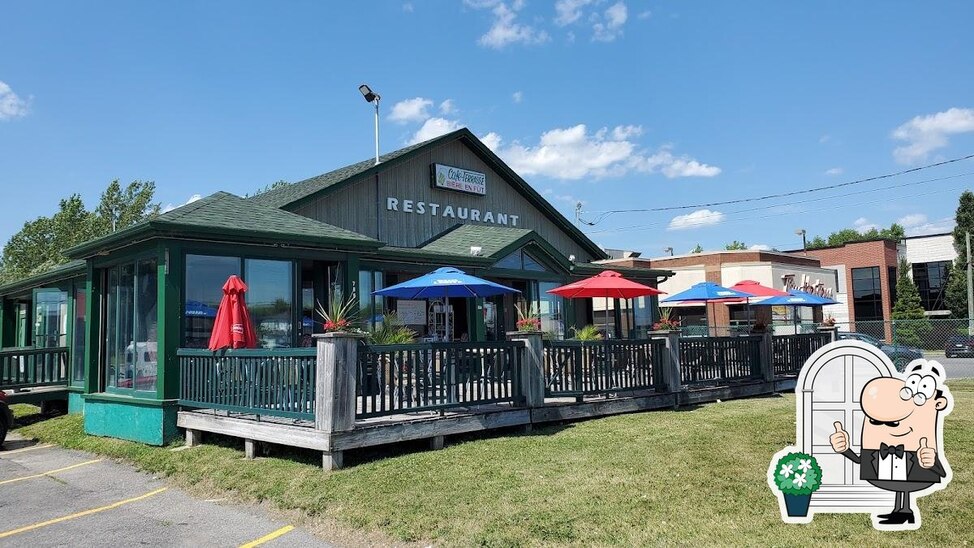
[6,417]
[959,345]
[899,354]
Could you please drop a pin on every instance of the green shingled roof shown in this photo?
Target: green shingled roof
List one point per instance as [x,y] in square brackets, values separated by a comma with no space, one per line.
[288,194]
[69,269]
[237,218]
[490,239]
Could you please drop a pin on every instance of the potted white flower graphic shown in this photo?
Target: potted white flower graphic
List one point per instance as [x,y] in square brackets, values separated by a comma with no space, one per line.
[797,476]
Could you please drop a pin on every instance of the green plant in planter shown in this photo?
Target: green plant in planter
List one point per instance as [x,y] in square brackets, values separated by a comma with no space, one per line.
[797,476]
[587,333]
[340,314]
[391,331]
[666,321]
[527,318]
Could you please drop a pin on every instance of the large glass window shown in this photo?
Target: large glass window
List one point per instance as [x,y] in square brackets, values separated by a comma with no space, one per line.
[205,276]
[131,326]
[550,310]
[371,306]
[50,318]
[78,335]
[931,281]
[269,297]
[867,295]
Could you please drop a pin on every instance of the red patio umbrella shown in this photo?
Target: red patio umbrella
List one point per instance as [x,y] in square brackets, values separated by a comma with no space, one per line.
[607,284]
[758,290]
[232,328]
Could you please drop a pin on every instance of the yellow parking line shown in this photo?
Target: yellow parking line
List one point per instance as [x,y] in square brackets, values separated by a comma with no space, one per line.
[31,448]
[41,475]
[26,528]
[265,538]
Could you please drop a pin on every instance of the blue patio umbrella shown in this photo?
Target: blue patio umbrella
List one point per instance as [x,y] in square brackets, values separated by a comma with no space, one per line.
[442,283]
[795,299]
[704,292]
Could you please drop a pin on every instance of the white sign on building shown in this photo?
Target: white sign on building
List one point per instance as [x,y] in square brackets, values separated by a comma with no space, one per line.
[463,180]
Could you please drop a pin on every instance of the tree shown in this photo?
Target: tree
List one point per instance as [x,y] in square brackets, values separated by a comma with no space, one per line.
[41,244]
[275,185]
[735,246]
[910,325]
[120,209]
[957,281]
[894,233]
[698,249]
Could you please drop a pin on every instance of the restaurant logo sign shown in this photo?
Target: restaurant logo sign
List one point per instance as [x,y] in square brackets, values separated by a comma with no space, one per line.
[462,180]
[448,211]
[805,284]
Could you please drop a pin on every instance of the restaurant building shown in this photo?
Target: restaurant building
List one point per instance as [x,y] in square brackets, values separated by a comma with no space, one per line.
[130,300]
[930,258]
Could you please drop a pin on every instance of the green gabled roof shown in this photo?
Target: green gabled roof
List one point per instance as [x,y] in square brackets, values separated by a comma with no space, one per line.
[235,218]
[490,239]
[297,193]
[64,271]
[288,194]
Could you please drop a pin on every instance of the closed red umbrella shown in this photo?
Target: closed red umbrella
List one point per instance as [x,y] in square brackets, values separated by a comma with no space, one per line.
[608,284]
[232,328]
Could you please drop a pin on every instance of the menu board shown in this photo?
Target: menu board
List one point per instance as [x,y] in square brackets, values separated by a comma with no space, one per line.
[411,312]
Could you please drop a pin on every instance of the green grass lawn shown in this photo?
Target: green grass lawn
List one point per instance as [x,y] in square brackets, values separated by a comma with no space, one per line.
[663,477]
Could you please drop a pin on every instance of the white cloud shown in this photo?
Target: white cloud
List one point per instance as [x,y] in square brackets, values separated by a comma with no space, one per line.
[408,7]
[411,110]
[863,225]
[432,128]
[574,153]
[569,11]
[914,219]
[517,96]
[645,14]
[505,29]
[169,207]
[925,134]
[834,171]
[610,26]
[11,105]
[760,247]
[697,219]
[824,139]
[448,107]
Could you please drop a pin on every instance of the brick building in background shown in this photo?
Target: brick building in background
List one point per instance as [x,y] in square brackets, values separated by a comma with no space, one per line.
[930,258]
[867,283]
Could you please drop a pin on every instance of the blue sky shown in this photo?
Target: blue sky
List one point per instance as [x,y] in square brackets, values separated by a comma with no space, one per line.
[618,104]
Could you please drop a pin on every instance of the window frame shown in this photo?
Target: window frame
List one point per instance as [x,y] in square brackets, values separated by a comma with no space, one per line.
[103,350]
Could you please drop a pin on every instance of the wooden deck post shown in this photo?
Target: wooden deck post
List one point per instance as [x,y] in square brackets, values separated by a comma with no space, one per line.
[250,449]
[832,330]
[670,368]
[193,437]
[531,381]
[767,357]
[335,399]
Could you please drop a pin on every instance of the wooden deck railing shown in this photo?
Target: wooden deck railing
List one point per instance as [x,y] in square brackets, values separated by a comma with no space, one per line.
[430,376]
[33,367]
[577,368]
[720,359]
[789,352]
[261,382]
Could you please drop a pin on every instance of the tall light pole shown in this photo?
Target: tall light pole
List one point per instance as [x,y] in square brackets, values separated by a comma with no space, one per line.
[372,97]
[801,232]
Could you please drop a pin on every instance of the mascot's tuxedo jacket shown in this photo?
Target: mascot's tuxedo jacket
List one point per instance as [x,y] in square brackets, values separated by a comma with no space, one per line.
[869,466]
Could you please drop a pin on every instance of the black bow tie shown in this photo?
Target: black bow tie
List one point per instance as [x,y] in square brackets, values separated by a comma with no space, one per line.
[885,450]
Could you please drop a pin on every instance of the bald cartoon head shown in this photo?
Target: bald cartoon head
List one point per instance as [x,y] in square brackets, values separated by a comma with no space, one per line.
[899,411]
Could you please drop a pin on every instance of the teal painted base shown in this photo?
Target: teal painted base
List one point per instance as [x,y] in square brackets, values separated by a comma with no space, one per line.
[153,424]
[76,404]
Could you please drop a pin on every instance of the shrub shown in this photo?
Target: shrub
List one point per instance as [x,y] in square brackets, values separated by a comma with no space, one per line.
[798,474]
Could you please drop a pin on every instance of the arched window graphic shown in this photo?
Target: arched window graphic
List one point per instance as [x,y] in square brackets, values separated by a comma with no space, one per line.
[828,389]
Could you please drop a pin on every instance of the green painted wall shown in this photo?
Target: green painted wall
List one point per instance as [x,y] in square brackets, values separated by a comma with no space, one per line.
[150,424]
[76,404]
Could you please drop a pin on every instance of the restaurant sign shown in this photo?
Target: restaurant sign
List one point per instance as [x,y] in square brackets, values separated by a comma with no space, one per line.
[806,285]
[462,180]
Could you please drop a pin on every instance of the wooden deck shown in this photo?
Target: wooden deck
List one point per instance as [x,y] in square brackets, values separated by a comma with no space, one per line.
[434,425]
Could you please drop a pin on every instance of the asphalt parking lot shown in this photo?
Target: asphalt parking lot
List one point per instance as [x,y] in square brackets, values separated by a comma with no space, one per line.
[956,368]
[56,497]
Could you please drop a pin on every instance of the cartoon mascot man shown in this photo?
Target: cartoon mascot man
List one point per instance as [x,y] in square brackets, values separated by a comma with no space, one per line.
[901,437]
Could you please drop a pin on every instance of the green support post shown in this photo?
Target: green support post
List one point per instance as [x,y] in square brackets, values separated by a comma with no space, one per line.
[350,278]
[92,331]
[5,324]
[170,280]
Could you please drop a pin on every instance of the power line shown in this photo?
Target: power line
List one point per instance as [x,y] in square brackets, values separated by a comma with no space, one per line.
[605,214]
[810,200]
[839,206]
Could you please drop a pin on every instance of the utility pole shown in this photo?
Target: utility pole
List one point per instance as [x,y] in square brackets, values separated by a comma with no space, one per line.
[970,288]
